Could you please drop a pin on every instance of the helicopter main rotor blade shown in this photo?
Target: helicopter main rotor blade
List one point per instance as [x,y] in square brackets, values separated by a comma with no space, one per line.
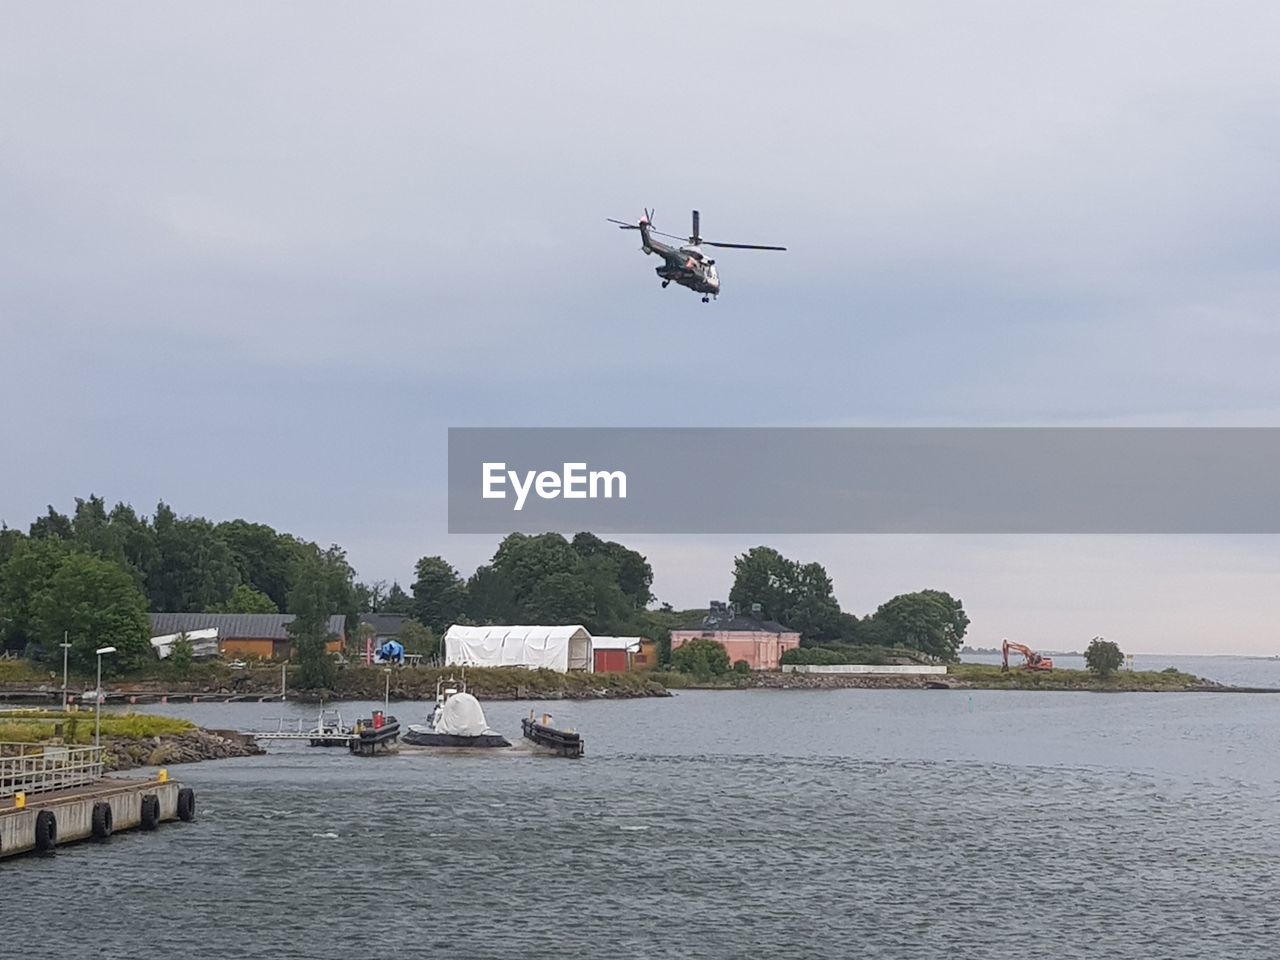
[623,225]
[669,236]
[740,246]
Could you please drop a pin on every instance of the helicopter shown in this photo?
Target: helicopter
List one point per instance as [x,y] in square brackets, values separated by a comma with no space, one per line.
[685,264]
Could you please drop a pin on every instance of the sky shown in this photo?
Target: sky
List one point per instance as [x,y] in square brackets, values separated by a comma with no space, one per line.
[257,259]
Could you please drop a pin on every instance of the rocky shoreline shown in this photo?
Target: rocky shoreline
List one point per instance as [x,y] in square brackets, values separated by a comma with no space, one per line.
[367,685]
[193,746]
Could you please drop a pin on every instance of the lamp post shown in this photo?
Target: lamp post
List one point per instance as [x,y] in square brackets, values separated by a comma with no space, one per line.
[65,647]
[386,697]
[97,698]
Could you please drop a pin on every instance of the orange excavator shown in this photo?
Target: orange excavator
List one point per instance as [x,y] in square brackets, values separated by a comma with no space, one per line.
[1032,661]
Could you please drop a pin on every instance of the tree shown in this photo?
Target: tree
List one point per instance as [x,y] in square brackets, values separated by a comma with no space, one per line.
[136,540]
[181,654]
[96,604]
[370,596]
[418,639]
[561,597]
[439,594]
[25,574]
[397,602]
[1103,657]
[317,591]
[628,569]
[701,658]
[194,570]
[762,575]
[263,557]
[798,595]
[931,621]
[490,596]
[245,599]
[546,579]
[52,526]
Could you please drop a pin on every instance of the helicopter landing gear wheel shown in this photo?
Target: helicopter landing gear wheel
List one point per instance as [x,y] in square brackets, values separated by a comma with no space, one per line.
[665,283]
[706,299]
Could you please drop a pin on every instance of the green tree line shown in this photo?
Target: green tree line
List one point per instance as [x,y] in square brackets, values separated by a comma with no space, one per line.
[92,576]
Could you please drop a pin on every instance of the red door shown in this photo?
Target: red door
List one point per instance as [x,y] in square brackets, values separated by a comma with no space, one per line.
[610,660]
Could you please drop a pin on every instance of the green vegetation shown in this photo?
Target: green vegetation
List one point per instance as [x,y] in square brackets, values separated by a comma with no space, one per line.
[95,573]
[34,726]
[24,671]
[496,683]
[800,595]
[317,587]
[841,653]
[419,639]
[1103,657]
[991,676]
[181,656]
[245,599]
[701,659]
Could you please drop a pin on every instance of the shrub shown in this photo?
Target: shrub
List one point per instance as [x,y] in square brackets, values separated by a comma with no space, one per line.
[1103,657]
[742,668]
[701,658]
[180,655]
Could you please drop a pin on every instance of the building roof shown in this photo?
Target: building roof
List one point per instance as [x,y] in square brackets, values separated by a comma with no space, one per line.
[519,632]
[559,647]
[257,626]
[385,624]
[615,643]
[725,617]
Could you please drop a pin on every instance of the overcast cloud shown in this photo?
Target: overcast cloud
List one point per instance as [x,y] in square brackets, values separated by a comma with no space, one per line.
[257,258]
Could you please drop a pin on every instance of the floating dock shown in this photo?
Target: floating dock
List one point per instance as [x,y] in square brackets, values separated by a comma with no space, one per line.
[51,796]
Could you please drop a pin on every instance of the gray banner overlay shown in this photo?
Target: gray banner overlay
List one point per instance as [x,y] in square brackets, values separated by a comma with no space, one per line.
[866,480]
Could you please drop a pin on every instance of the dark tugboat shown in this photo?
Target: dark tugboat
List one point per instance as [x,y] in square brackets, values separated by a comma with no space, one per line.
[456,720]
[565,743]
[374,735]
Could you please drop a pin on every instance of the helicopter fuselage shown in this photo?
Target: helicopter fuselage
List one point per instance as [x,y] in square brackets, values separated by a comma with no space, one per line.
[683,265]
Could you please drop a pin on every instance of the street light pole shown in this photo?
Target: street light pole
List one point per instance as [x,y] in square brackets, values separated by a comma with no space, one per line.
[386,697]
[97,698]
[65,647]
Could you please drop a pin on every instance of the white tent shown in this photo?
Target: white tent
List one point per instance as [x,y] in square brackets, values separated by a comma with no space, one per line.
[555,648]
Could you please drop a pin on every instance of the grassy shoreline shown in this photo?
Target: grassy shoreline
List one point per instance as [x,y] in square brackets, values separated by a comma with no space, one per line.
[129,740]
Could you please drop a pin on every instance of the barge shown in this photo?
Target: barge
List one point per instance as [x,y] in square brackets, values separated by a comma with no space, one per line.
[565,743]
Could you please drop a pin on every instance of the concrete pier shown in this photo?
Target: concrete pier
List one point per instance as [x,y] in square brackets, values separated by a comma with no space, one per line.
[73,811]
[53,795]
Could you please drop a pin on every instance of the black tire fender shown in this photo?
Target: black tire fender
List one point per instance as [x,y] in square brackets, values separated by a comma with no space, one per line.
[102,820]
[150,813]
[46,831]
[186,804]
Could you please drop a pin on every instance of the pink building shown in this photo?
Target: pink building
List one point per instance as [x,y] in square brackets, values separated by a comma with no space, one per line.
[750,638]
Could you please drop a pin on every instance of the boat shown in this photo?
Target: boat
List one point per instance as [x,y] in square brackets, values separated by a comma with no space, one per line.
[376,734]
[456,720]
[566,743]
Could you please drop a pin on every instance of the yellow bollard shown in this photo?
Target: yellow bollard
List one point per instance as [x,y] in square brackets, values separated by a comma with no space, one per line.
[163,775]
[19,800]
